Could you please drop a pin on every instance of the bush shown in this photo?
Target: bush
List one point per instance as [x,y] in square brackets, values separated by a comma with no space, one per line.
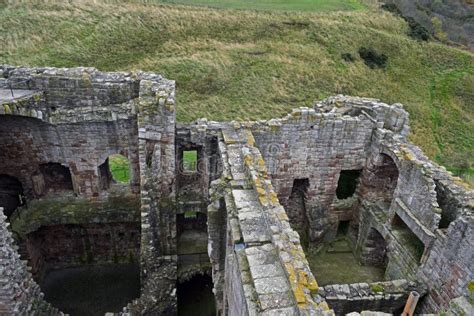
[417,31]
[348,57]
[372,58]
[391,7]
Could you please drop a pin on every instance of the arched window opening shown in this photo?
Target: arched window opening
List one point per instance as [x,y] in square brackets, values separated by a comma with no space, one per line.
[190,158]
[296,209]
[56,178]
[115,169]
[119,168]
[11,194]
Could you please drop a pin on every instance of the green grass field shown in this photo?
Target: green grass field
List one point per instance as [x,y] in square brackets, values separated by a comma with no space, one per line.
[119,168]
[248,65]
[275,5]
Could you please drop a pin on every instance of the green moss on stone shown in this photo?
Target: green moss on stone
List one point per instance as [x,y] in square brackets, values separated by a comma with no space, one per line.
[470,286]
[377,287]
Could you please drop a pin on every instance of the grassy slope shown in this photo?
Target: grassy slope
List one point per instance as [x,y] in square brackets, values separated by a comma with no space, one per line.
[119,168]
[249,65]
[300,5]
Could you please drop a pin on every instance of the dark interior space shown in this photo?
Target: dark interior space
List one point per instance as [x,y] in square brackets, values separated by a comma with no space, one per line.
[449,206]
[105,176]
[11,194]
[191,220]
[56,177]
[343,228]
[296,209]
[92,290]
[195,297]
[374,251]
[347,183]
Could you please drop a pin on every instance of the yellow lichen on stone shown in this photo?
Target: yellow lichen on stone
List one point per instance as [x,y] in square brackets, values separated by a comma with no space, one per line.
[250,138]
[263,200]
[282,216]
[299,294]
[169,106]
[274,198]
[260,190]
[248,160]
[312,284]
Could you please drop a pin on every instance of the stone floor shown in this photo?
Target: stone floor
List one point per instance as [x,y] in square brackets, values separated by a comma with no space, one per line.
[336,264]
[92,290]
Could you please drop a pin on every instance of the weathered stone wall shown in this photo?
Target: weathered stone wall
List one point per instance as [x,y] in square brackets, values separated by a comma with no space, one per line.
[62,246]
[388,297]
[28,143]
[68,89]
[402,203]
[266,271]
[418,244]
[19,294]
[156,126]
[88,116]
[314,146]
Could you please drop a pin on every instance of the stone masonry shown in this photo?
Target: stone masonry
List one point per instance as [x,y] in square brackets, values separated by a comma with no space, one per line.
[261,192]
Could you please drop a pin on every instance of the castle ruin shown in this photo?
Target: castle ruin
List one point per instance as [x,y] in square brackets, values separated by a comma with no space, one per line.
[248,213]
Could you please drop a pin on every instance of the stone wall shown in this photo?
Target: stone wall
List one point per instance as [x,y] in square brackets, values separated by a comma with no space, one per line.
[83,116]
[19,294]
[313,146]
[266,271]
[404,211]
[419,246]
[156,126]
[389,297]
[63,246]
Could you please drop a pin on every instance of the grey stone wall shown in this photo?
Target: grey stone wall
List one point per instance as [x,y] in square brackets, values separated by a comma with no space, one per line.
[266,271]
[28,143]
[420,247]
[314,146]
[389,297]
[156,126]
[83,116]
[19,294]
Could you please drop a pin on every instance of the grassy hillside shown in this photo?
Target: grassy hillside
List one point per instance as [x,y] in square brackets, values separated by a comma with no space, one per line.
[281,5]
[232,64]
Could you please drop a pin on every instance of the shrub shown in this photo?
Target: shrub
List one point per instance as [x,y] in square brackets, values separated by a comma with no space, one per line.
[417,31]
[391,7]
[348,57]
[372,58]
